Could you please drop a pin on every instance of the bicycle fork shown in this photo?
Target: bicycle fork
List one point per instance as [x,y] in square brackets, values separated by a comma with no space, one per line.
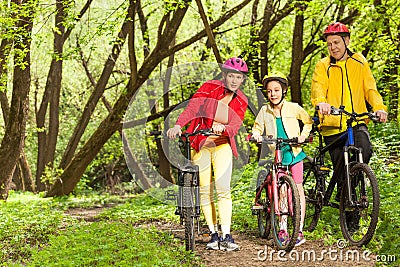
[358,152]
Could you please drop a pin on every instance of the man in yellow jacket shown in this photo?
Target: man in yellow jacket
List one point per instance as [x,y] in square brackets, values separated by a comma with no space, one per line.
[344,79]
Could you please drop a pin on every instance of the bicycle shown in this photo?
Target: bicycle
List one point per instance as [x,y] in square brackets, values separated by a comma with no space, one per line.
[360,193]
[188,197]
[277,198]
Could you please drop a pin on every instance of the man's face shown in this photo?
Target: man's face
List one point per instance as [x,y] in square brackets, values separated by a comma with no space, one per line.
[337,47]
[233,80]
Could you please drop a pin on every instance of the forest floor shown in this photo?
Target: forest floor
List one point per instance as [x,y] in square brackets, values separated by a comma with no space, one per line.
[255,251]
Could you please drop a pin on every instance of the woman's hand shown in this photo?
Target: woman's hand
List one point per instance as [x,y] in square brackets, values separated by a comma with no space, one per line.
[173,132]
[218,128]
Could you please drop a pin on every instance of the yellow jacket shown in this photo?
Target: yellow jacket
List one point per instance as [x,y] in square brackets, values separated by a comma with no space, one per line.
[291,113]
[330,84]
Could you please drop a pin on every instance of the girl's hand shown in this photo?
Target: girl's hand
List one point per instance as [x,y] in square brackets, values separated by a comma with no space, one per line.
[257,137]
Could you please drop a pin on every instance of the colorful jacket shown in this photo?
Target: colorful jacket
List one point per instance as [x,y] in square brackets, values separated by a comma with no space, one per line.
[291,114]
[328,82]
[201,109]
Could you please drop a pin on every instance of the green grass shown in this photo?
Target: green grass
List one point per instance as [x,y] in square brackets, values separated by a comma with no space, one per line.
[35,231]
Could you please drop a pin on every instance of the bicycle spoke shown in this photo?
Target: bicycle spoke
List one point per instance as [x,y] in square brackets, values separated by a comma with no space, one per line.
[286,220]
[358,222]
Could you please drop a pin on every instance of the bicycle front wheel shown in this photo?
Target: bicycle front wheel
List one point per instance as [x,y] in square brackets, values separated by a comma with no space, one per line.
[314,195]
[358,221]
[286,217]
[188,212]
[263,214]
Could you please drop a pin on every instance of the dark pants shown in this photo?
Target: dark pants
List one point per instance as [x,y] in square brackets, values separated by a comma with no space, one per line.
[361,139]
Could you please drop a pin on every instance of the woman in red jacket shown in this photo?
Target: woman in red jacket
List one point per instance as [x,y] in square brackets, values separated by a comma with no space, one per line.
[219,105]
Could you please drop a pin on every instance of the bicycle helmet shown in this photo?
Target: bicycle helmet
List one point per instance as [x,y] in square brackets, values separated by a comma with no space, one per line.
[235,64]
[336,28]
[276,77]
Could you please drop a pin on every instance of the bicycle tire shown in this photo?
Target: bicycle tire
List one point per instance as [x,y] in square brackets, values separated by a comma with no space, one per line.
[365,191]
[263,215]
[286,185]
[314,197]
[188,212]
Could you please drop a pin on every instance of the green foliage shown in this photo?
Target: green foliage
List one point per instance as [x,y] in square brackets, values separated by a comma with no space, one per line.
[112,243]
[35,232]
[26,221]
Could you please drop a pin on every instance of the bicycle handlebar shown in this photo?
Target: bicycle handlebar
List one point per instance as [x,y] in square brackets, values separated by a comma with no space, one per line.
[205,132]
[270,140]
[353,115]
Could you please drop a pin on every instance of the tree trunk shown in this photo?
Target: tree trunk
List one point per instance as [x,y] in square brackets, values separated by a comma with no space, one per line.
[95,97]
[167,30]
[297,57]
[13,141]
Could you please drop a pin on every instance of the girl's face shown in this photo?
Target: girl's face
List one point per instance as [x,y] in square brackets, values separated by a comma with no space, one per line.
[274,92]
[233,80]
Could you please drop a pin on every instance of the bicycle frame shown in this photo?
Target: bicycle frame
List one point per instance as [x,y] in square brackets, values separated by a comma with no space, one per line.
[271,181]
[349,149]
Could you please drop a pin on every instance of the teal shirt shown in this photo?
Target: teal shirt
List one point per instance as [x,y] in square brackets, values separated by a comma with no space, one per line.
[287,154]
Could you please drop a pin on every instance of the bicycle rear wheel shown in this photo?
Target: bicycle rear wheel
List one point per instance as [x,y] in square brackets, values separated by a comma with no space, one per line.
[263,215]
[188,211]
[314,196]
[358,222]
[287,216]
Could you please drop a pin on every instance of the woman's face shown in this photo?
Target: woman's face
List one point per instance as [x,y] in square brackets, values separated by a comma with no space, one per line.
[274,92]
[233,80]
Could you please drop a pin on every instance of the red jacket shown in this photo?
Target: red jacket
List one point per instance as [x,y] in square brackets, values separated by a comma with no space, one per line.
[201,109]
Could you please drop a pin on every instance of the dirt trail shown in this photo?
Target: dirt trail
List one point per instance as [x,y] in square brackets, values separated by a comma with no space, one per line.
[255,251]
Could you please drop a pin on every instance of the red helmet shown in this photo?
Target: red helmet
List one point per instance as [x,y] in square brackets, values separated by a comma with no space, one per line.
[235,64]
[336,28]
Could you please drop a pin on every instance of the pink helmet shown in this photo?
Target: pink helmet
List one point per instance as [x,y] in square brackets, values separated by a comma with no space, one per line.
[235,64]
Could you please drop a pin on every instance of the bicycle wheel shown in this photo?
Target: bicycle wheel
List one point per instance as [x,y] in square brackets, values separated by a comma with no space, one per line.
[314,195]
[358,222]
[188,211]
[263,216]
[287,216]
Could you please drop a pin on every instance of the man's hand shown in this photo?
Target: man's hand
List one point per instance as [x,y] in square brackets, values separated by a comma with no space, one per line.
[324,108]
[173,132]
[382,115]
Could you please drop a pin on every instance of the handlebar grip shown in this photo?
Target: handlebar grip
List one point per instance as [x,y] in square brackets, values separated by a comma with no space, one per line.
[155,133]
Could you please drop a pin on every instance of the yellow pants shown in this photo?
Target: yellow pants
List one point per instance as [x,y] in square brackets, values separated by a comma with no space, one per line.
[220,158]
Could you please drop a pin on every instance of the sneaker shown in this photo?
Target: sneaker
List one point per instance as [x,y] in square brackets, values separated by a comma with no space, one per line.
[283,236]
[300,239]
[228,244]
[214,242]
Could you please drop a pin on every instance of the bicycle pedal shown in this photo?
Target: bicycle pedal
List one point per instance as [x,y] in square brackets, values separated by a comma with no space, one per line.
[257,207]
[205,234]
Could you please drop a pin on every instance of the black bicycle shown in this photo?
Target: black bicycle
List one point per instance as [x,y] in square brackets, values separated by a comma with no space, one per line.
[188,196]
[359,198]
